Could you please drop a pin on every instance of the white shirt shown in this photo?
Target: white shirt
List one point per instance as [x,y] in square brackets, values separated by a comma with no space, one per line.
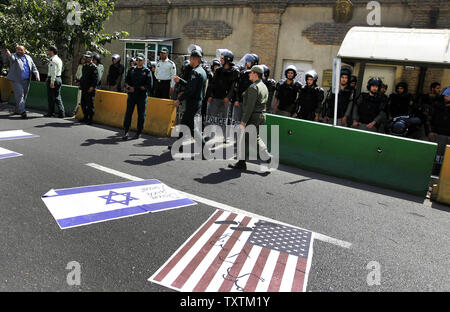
[166,70]
[54,68]
[100,70]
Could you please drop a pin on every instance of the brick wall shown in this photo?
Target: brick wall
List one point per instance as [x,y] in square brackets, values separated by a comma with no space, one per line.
[209,30]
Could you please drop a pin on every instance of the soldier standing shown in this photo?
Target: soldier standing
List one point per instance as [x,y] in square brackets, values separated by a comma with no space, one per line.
[369,111]
[54,83]
[253,113]
[88,84]
[271,85]
[287,93]
[138,83]
[164,73]
[310,98]
[345,102]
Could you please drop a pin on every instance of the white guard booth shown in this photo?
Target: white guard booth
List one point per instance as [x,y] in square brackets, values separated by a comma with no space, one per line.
[396,46]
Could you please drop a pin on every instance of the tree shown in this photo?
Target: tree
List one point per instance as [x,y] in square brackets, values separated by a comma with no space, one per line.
[37,24]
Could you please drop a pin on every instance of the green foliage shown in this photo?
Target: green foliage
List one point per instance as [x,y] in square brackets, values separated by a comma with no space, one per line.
[37,24]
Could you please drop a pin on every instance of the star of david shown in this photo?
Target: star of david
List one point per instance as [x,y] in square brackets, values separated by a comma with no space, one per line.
[110,200]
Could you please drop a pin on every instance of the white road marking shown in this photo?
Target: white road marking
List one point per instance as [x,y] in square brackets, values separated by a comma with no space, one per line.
[225,207]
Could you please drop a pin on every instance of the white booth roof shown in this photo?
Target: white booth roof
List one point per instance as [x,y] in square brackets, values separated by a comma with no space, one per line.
[408,45]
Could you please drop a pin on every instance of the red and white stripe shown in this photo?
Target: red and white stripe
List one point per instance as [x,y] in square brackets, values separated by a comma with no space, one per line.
[200,264]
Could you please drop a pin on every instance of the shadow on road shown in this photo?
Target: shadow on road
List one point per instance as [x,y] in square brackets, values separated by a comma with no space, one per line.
[153,160]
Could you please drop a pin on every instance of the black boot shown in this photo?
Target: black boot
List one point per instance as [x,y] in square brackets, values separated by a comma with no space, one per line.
[137,135]
[125,135]
[240,165]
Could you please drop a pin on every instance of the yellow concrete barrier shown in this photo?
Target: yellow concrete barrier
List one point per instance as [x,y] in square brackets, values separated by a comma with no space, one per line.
[443,192]
[110,108]
[6,89]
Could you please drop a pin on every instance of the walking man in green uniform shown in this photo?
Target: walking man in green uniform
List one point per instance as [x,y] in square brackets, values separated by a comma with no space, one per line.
[193,93]
[138,84]
[253,114]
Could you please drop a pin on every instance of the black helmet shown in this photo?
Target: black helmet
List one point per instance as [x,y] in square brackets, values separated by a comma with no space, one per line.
[346,72]
[185,64]
[404,85]
[353,79]
[266,71]
[116,57]
[215,62]
[228,56]
[313,74]
[253,59]
[290,67]
[97,57]
[375,81]
[197,53]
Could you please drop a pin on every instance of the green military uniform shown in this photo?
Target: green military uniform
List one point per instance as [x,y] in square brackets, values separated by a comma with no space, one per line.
[88,79]
[253,113]
[193,95]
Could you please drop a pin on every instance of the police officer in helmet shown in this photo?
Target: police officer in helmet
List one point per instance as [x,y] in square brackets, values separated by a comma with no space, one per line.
[345,101]
[370,107]
[287,91]
[271,85]
[310,98]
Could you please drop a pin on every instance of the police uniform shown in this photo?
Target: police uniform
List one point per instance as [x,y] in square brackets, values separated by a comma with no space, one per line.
[241,85]
[89,79]
[115,74]
[222,86]
[164,73]
[369,108]
[54,94]
[287,94]
[271,85]
[345,101]
[399,104]
[137,78]
[309,102]
[193,95]
[253,113]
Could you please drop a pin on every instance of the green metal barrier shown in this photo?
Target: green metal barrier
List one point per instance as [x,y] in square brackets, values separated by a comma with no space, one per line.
[37,97]
[395,163]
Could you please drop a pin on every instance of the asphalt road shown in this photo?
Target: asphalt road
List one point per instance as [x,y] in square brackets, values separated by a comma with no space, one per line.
[408,236]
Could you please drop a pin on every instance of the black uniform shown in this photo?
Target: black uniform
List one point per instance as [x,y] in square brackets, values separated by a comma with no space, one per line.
[440,117]
[287,95]
[88,79]
[309,102]
[345,101]
[137,78]
[271,85]
[423,108]
[370,108]
[193,95]
[399,105]
[222,83]
[115,74]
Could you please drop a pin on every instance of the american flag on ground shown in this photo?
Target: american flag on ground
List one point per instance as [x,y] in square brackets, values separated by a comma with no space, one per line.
[233,252]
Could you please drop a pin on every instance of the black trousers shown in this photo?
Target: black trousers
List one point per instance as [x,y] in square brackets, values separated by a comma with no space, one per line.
[54,97]
[87,104]
[139,100]
[162,90]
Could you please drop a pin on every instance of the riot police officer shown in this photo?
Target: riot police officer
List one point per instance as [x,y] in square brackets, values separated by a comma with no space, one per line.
[310,98]
[88,84]
[271,85]
[222,84]
[370,107]
[115,73]
[138,83]
[345,101]
[399,103]
[423,104]
[242,84]
[287,91]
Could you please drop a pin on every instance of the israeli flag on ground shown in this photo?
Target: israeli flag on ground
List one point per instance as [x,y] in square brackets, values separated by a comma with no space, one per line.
[4,153]
[91,204]
[15,135]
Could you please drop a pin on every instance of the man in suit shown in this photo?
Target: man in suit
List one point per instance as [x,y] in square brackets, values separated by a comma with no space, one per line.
[20,72]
